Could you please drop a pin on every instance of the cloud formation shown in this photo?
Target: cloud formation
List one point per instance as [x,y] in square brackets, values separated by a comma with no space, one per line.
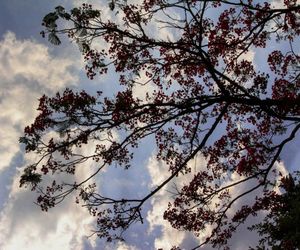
[158,172]
[28,70]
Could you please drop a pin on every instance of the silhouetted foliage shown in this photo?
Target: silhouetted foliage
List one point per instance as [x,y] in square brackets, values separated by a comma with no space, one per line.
[281,227]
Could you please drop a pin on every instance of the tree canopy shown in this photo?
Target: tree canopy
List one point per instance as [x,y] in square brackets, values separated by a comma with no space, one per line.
[208,97]
[281,227]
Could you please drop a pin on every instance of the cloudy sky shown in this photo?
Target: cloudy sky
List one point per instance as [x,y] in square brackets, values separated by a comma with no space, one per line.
[29,68]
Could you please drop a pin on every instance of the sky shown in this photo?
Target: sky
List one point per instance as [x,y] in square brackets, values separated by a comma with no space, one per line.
[31,67]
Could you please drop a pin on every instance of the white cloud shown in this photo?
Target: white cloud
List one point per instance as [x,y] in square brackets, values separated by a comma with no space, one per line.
[124,246]
[158,173]
[278,4]
[30,62]
[28,70]
[143,86]
[23,226]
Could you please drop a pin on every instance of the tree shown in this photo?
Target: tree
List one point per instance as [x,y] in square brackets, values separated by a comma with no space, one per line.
[210,99]
[281,227]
